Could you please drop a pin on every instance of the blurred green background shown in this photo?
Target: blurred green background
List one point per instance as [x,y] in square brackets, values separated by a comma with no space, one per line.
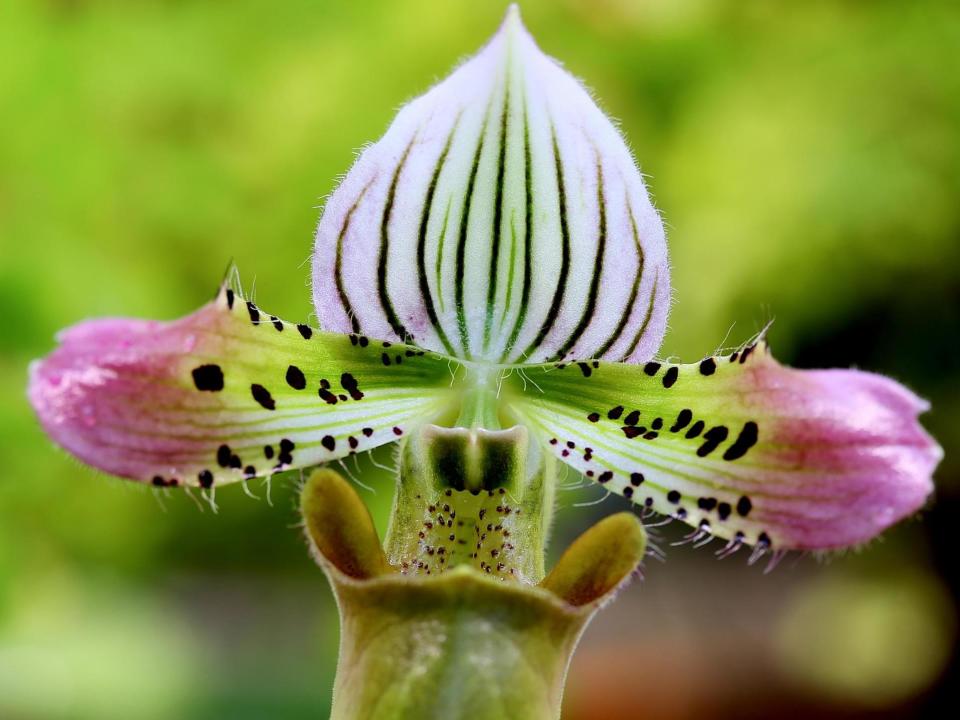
[806,157]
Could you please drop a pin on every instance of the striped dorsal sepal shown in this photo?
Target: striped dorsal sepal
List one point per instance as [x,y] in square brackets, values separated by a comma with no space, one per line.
[501,218]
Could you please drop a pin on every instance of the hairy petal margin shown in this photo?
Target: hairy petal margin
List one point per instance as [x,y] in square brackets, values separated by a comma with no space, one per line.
[741,447]
[227,394]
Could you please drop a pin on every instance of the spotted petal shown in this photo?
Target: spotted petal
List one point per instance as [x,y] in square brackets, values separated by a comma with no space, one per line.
[227,393]
[500,218]
[740,446]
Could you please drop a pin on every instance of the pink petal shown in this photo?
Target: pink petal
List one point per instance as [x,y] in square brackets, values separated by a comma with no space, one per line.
[227,393]
[848,442]
[742,447]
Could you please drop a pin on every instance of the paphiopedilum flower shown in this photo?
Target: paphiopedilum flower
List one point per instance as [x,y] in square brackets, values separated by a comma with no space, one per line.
[494,261]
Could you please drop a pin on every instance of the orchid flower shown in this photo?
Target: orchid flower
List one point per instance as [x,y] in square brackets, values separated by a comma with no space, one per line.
[491,278]
[492,286]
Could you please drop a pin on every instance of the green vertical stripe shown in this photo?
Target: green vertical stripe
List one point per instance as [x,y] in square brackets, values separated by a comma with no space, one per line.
[557,301]
[462,240]
[527,236]
[597,268]
[628,310]
[385,303]
[646,319]
[338,262]
[422,241]
[496,228]
[511,267]
[439,265]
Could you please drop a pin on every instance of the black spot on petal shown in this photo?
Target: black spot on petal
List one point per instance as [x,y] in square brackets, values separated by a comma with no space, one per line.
[708,366]
[670,376]
[683,419]
[306,331]
[349,383]
[254,313]
[205,478]
[713,437]
[262,396]
[208,378]
[673,496]
[707,503]
[745,440]
[329,442]
[295,378]
[651,368]
[615,413]
[744,506]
